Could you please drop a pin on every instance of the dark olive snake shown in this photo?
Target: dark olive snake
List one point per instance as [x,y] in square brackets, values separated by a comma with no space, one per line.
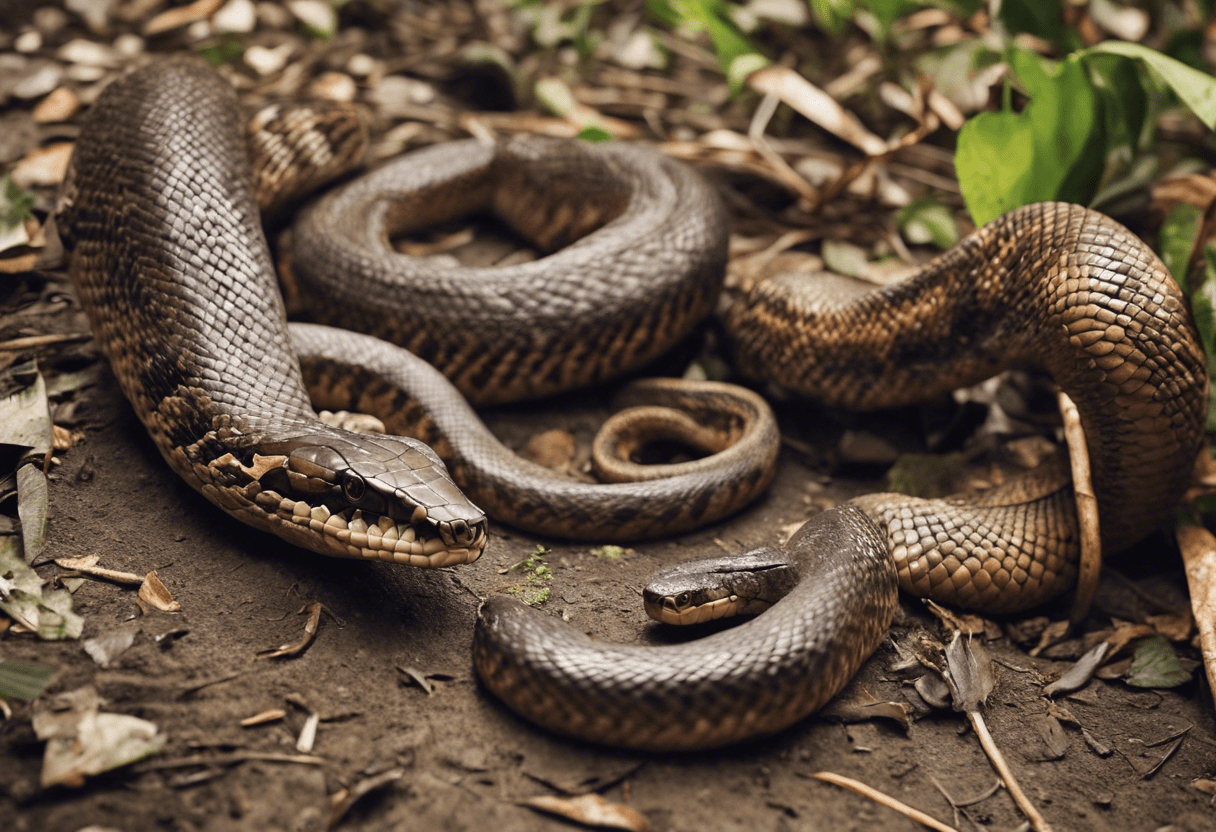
[159,206]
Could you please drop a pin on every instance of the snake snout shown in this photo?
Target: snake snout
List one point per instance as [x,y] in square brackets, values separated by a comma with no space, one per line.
[460,532]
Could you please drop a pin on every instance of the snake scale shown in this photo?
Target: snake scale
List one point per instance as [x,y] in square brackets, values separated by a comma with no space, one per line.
[160,222]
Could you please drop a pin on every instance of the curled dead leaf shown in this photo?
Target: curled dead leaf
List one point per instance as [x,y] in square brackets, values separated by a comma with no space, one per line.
[156,595]
[590,810]
[313,610]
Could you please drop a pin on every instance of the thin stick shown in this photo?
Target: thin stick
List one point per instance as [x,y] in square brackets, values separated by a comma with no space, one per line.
[862,789]
[32,341]
[1002,768]
[1090,568]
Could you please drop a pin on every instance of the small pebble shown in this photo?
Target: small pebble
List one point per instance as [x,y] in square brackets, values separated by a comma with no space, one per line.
[95,13]
[238,16]
[316,14]
[87,52]
[361,65]
[267,61]
[28,42]
[43,78]
[128,45]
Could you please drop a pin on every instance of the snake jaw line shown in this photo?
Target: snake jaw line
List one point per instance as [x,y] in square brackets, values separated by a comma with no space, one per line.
[343,532]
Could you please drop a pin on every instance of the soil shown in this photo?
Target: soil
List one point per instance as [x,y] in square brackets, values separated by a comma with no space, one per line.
[449,755]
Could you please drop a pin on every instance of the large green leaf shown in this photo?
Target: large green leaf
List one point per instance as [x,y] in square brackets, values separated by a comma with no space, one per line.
[1197,90]
[1047,151]
[993,161]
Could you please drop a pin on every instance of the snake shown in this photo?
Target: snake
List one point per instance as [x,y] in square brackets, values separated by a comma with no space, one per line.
[160,222]
[1052,286]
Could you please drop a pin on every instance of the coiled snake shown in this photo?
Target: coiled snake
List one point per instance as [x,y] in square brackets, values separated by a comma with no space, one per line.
[1052,285]
[161,226]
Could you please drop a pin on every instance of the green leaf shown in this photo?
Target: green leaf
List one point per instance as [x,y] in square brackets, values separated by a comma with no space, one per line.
[594,134]
[1044,18]
[1176,239]
[833,14]
[15,204]
[228,50]
[24,681]
[1154,665]
[609,552]
[729,42]
[928,221]
[1048,151]
[1197,90]
[993,161]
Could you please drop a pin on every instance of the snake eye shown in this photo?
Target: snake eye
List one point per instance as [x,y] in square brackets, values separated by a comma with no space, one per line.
[354,487]
[683,599]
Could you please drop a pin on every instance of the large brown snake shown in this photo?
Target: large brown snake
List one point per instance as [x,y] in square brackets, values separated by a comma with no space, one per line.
[1053,285]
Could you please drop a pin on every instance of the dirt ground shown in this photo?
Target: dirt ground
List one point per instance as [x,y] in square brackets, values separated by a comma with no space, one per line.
[452,758]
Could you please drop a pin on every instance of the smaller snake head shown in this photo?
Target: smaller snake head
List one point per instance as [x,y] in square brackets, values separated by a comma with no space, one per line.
[375,497]
[705,590]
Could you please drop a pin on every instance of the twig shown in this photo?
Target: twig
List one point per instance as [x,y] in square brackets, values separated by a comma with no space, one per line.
[32,341]
[1090,568]
[862,789]
[230,759]
[1002,769]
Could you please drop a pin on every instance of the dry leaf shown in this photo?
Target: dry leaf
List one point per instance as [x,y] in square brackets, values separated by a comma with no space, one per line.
[181,16]
[1081,671]
[590,810]
[310,631]
[342,800]
[812,102]
[861,706]
[43,165]
[87,565]
[156,595]
[108,646]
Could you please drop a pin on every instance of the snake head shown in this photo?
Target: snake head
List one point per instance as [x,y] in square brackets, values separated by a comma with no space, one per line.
[704,590]
[377,497]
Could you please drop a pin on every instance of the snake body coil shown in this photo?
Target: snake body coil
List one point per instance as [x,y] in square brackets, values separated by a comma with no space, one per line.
[1054,286]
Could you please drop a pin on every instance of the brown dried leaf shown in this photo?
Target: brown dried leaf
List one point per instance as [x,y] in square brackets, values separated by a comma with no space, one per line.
[271,715]
[1174,626]
[970,678]
[1081,672]
[343,799]
[181,16]
[862,706]
[156,595]
[43,165]
[60,105]
[968,624]
[800,94]
[87,565]
[314,610]
[1053,633]
[590,810]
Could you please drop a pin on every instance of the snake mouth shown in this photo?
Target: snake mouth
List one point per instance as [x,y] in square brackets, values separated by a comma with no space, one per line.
[669,611]
[357,533]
